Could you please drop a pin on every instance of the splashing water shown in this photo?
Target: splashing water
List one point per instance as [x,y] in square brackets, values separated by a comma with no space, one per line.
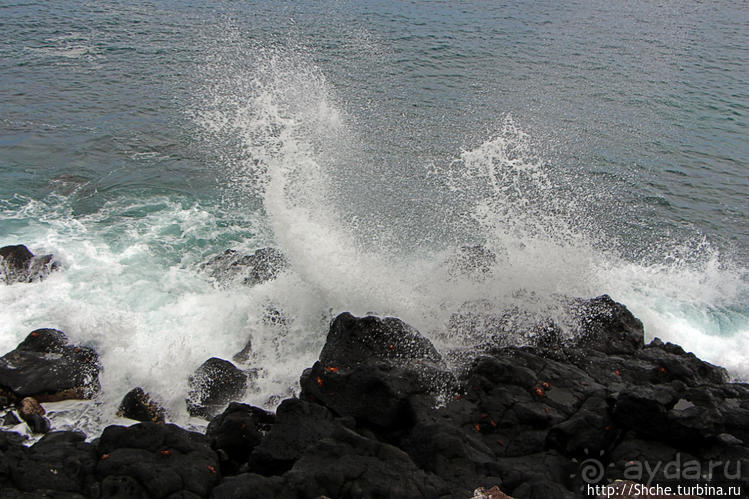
[286,150]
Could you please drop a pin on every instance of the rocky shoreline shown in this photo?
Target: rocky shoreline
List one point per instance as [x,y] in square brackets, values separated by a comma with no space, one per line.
[380,415]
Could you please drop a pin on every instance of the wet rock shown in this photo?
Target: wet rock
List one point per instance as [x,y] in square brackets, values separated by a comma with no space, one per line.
[299,424]
[33,413]
[10,419]
[353,341]
[250,485]
[215,383]
[138,405]
[350,465]
[607,326]
[18,264]
[236,432]
[162,459]
[48,368]
[232,267]
[60,462]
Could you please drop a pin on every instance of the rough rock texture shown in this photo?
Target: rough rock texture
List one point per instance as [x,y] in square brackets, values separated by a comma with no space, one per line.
[18,264]
[232,267]
[155,460]
[379,416]
[215,383]
[138,405]
[45,366]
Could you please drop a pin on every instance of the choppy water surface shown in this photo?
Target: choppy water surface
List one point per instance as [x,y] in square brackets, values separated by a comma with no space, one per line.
[595,148]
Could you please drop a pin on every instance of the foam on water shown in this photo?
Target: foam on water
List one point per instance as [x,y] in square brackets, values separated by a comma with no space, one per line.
[131,285]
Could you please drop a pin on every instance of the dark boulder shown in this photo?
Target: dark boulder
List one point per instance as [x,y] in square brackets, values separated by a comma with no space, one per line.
[299,424]
[45,366]
[138,405]
[232,267]
[18,264]
[61,461]
[160,459]
[215,383]
[350,465]
[607,326]
[357,340]
[236,432]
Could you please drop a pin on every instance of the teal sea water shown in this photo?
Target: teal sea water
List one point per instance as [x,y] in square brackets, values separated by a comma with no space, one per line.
[594,147]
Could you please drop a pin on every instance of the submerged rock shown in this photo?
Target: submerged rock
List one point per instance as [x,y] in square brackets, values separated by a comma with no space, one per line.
[215,383]
[138,405]
[230,267]
[18,264]
[45,366]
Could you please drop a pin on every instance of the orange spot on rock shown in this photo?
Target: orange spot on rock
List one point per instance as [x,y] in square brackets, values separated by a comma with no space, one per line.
[546,385]
[34,335]
[477,427]
[391,346]
[540,391]
[319,381]
[662,369]
[104,456]
[491,422]
[331,369]
[211,469]
[618,372]
[546,410]
[166,452]
[607,428]
[500,442]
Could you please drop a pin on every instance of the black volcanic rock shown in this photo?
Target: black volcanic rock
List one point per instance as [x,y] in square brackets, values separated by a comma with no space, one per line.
[45,366]
[18,264]
[381,415]
[607,326]
[158,459]
[236,432]
[215,383]
[263,265]
[353,341]
[137,405]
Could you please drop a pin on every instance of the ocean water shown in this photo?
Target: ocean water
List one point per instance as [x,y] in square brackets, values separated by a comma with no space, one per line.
[593,147]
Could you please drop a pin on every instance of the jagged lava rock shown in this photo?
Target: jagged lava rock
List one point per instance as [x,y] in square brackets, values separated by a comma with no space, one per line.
[45,366]
[137,405]
[18,264]
[236,432]
[375,370]
[231,266]
[215,383]
[155,460]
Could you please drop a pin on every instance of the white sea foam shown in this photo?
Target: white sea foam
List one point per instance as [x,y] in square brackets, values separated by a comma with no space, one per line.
[131,285]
